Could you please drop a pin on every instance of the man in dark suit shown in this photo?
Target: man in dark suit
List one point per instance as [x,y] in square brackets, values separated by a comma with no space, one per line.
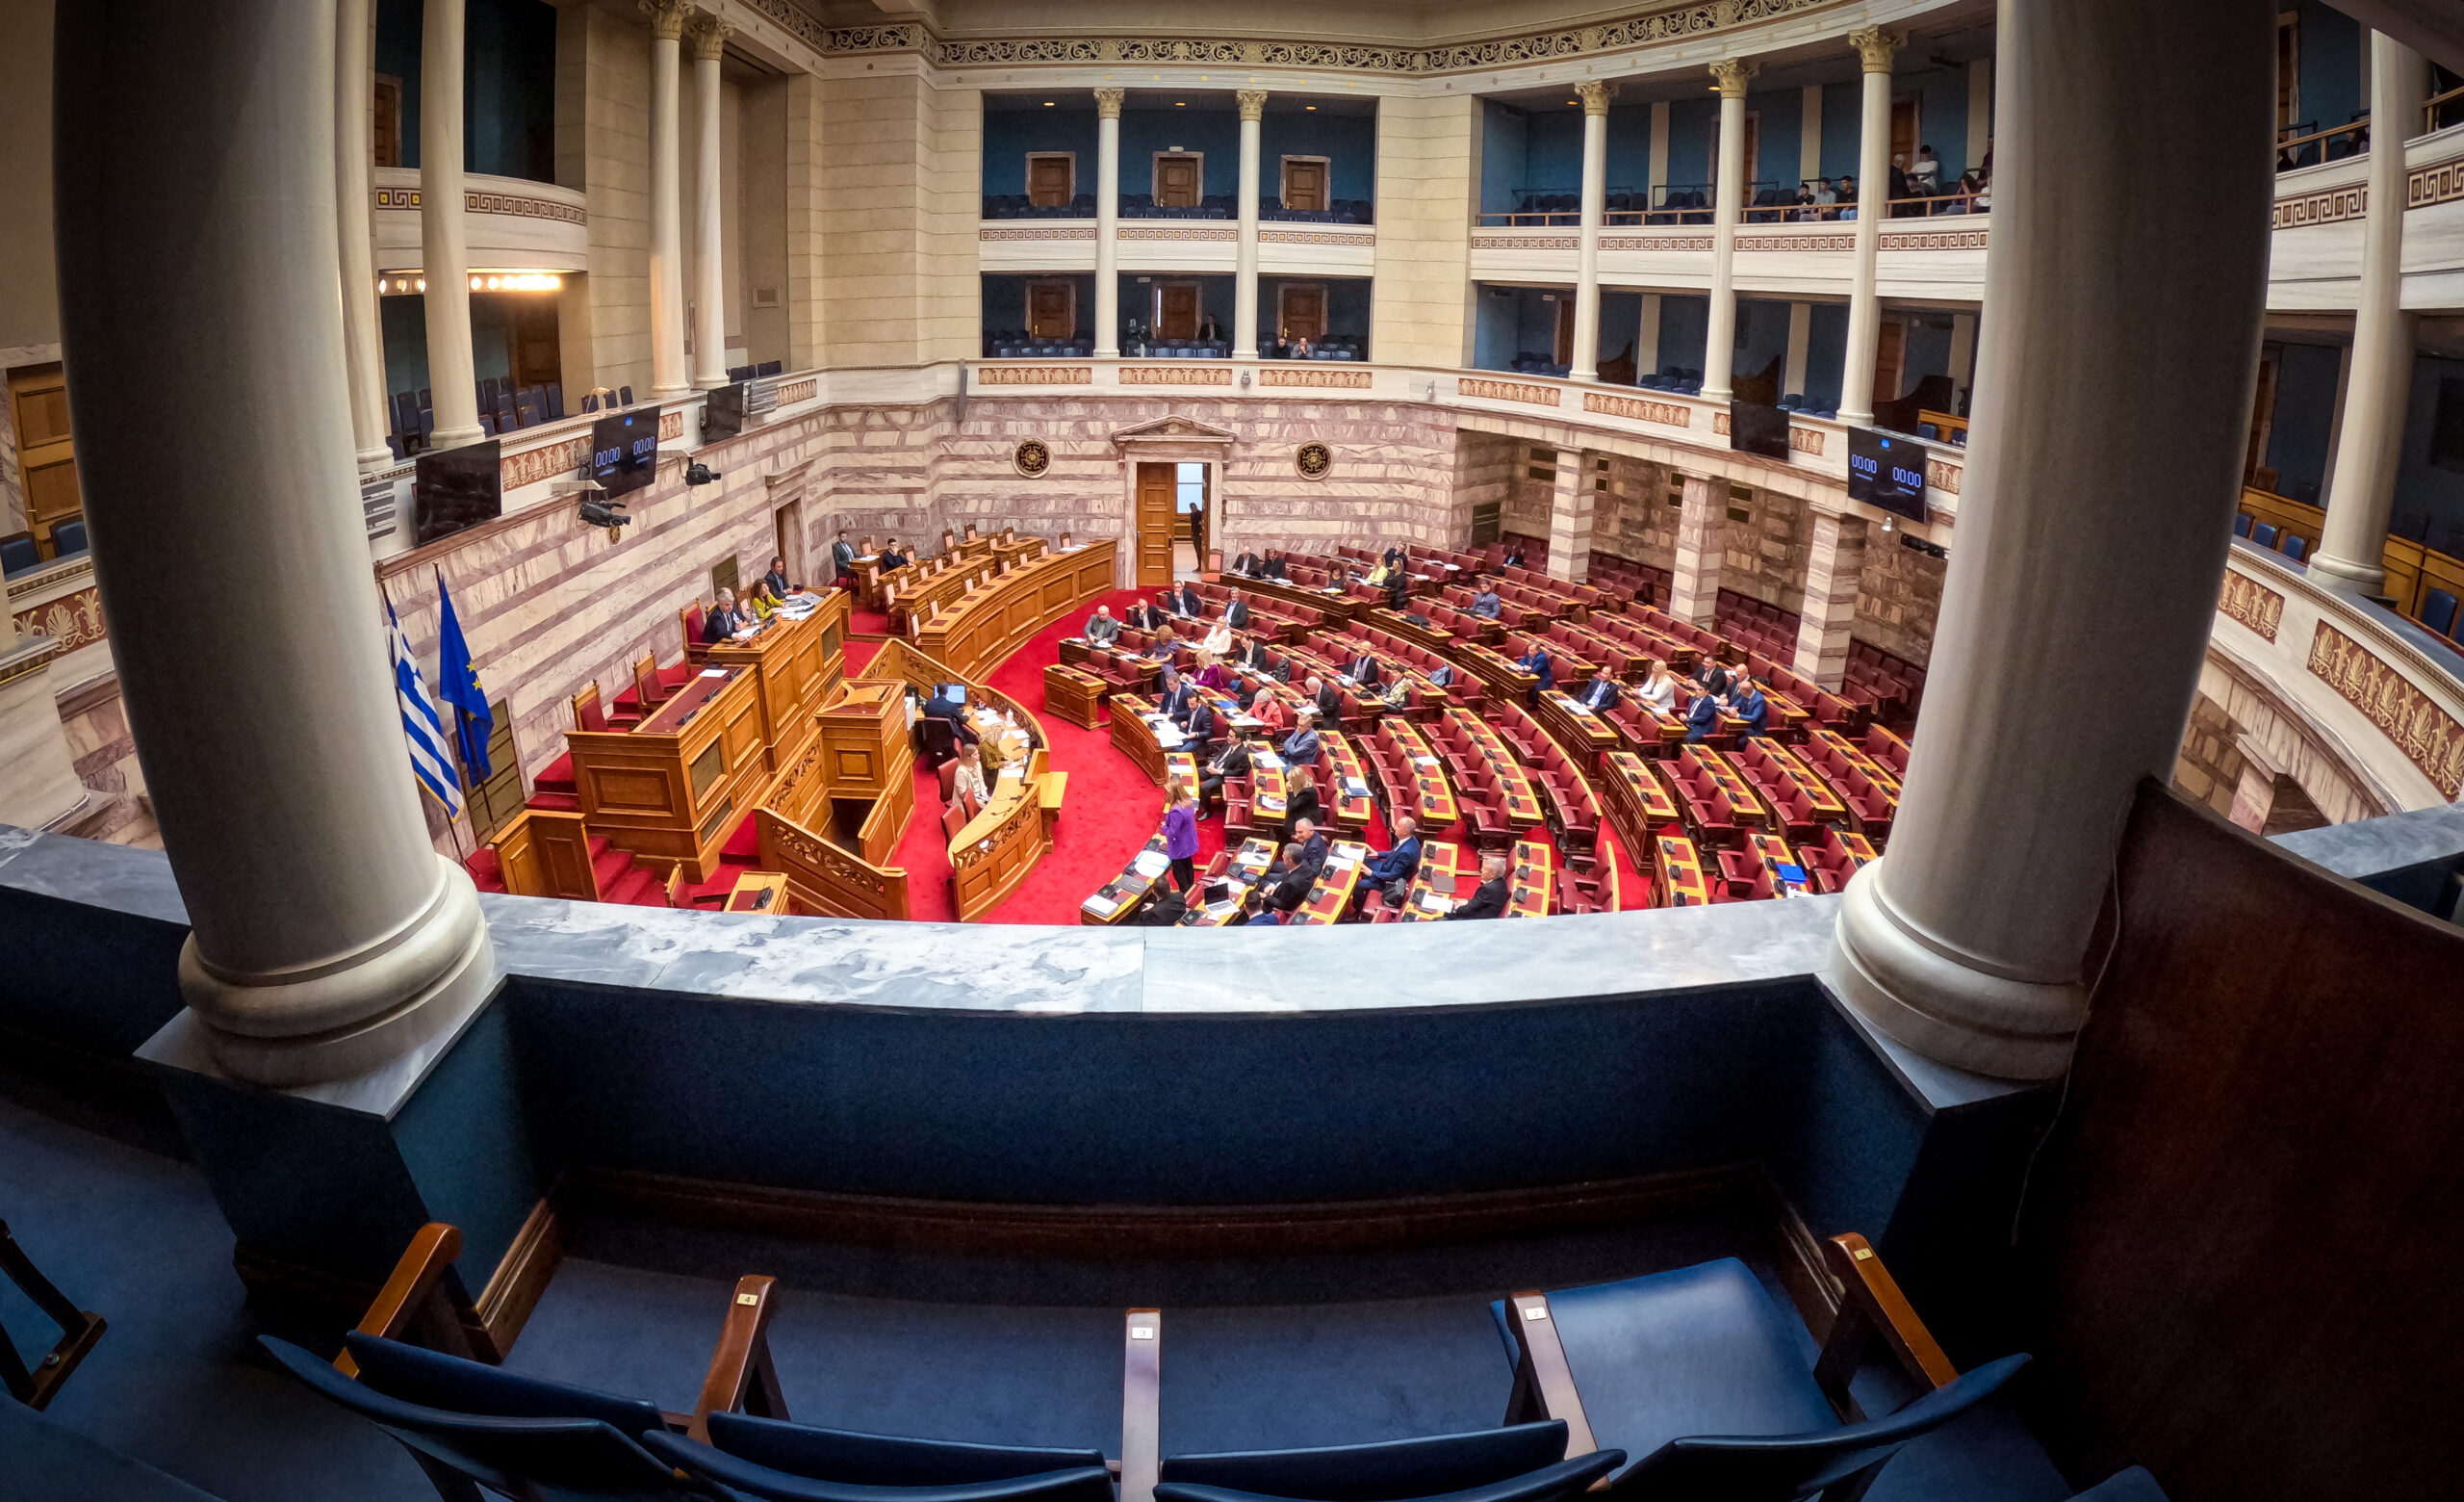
[1142,616]
[1600,695]
[1247,563]
[1179,696]
[891,557]
[1301,808]
[1544,672]
[1236,612]
[723,619]
[842,557]
[1489,901]
[1392,869]
[1190,604]
[1746,703]
[1301,748]
[1200,726]
[1275,564]
[1251,652]
[1232,761]
[1363,670]
[942,707]
[1328,700]
[1310,842]
[1285,892]
[1166,913]
[777,579]
[1703,718]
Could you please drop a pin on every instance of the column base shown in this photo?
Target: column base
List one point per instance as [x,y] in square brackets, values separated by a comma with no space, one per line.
[1105,354]
[456,438]
[2348,578]
[1251,355]
[372,460]
[671,393]
[349,1015]
[1718,394]
[1944,1005]
[1856,419]
[711,382]
[1592,376]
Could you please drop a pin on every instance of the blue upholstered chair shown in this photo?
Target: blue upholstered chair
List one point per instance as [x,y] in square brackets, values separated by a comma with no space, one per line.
[624,395]
[799,1462]
[2438,611]
[68,538]
[1701,1375]
[1384,1472]
[18,551]
[2240,524]
[2293,546]
[1564,1479]
[2263,535]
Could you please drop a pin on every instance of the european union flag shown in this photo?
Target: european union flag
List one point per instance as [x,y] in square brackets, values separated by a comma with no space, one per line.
[458,684]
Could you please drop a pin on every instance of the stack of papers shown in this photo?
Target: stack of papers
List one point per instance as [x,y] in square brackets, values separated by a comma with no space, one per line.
[1150,864]
[1431,902]
[1100,905]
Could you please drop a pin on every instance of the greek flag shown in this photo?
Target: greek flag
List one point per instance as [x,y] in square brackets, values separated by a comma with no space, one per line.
[421,724]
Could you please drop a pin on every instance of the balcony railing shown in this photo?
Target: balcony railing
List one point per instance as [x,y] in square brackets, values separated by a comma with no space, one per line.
[1692,203]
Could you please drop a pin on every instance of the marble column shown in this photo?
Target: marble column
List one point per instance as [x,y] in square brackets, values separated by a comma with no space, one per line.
[1595,97]
[1702,531]
[1108,222]
[709,264]
[326,936]
[668,379]
[1962,371]
[1833,564]
[354,154]
[1875,47]
[445,252]
[1647,337]
[1792,380]
[1719,343]
[1658,168]
[2081,586]
[2361,489]
[1569,508]
[1244,274]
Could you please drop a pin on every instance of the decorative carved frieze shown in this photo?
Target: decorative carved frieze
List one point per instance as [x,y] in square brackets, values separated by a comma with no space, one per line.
[1252,103]
[796,391]
[1942,476]
[1805,242]
[1223,233]
[2440,182]
[2328,207]
[1035,375]
[1035,232]
[1539,243]
[668,17]
[1329,377]
[1638,409]
[1631,243]
[2247,600]
[2428,736]
[1730,75]
[548,461]
[72,621]
[1176,376]
[1933,239]
[476,201]
[1876,46]
[1318,237]
[671,427]
[1506,391]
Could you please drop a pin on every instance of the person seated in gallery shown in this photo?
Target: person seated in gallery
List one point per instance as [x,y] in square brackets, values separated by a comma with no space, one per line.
[1658,691]
[1164,644]
[1485,603]
[727,621]
[1178,695]
[891,557]
[1391,870]
[1249,563]
[1544,672]
[1236,612]
[1275,567]
[1301,748]
[1600,695]
[1144,616]
[1746,703]
[1187,604]
[1489,901]
[1102,630]
[1513,555]
[969,778]
[1711,677]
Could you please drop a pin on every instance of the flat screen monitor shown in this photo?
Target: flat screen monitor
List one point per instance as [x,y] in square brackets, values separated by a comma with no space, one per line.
[1886,472]
[624,449]
[456,488]
[723,410]
[1756,428]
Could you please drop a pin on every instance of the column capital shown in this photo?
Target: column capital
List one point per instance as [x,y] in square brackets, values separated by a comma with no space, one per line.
[1729,76]
[710,35]
[667,19]
[1108,102]
[1252,103]
[1876,46]
[1595,94]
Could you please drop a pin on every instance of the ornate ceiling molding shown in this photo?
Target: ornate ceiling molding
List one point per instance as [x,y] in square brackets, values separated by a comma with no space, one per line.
[1667,24]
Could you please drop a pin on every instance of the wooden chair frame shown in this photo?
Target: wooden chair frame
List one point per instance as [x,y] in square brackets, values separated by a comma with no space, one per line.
[79,1330]
[423,1302]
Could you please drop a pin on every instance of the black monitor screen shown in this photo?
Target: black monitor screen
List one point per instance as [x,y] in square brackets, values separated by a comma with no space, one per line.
[724,409]
[1756,428]
[624,449]
[457,488]
[1886,472]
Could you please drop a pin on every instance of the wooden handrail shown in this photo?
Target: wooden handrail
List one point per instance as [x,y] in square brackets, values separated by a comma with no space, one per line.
[1871,1306]
[2430,107]
[1544,1383]
[424,1297]
[742,1378]
[79,1330]
[2356,128]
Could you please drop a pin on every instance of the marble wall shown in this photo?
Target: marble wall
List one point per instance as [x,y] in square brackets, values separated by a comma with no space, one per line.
[1636,517]
[1765,553]
[1899,596]
[603,151]
[1428,185]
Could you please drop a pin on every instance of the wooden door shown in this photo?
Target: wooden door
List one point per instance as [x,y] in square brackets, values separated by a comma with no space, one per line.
[1052,309]
[1180,180]
[1904,133]
[1890,360]
[1052,179]
[1176,311]
[1565,352]
[1753,153]
[387,128]
[1155,512]
[1301,312]
[787,522]
[538,347]
[46,448]
[2263,418]
[1304,183]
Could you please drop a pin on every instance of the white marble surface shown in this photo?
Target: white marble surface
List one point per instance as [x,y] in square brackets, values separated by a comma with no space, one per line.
[2369,846]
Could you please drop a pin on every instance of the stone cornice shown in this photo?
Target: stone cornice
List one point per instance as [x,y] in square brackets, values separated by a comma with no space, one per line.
[1661,24]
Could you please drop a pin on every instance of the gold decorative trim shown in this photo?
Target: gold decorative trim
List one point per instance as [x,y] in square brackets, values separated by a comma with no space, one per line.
[1933,240]
[1176,376]
[1506,391]
[2247,600]
[1313,375]
[2329,206]
[2440,182]
[1225,233]
[1647,243]
[1637,409]
[35,661]
[2428,736]
[1539,243]
[1318,237]
[1035,375]
[1312,460]
[512,205]
[72,621]
[1942,476]
[671,427]
[1036,232]
[799,391]
[1032,458]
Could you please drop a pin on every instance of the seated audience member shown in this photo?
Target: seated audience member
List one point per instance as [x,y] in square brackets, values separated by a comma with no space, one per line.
[1377,575]
[1101,629]
[1233,760]
[1310,842]
[1164,644]
[1397,557]
[1485,603]
[1391,870]
[1288,886]
[1191,605]
[1275,565]
[842,563]
[1397,695]
[940,706]
[1236,612]
[1217,640]
[1513,555]
[1848,197]
[1301,748]
[1600,695]
[1659,690]
[1303,806]
[1825,196]
[1144,616]
[1544,672]
[1746,703]
[1270,711]
[1489,901]
[1362,670]
[1703,718]
[1177,697]
[1926,176]
[1166,912]
[969,778]
[1201,726]
[1251,652]
[1246,563]
[1211,671]
[1180,835]
[777,579]
[725,621]
[891,557]
[1327,700]
[1711,677]
[764,603]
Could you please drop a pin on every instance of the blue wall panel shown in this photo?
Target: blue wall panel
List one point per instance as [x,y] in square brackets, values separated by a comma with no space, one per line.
[1145,130]
[2429,501]
[2305,414]
[509,82]
[1842,128]
[1690,128]
[1761,337]
[2332,47]
[1346,305]
[1826,354]
[1505,143]
[1778,146]
[1347,141]
[1009,134]
[1684,325]
[1621,316]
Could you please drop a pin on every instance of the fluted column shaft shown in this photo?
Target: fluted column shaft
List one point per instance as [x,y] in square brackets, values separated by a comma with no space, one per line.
[668,18]
[2362,493]
[1585,362]
[1719,348]
[1245,272]
[445,252]
[1875,49]
[215,449]
[1108,222]
[709,266]
[2082,584]
[354,152]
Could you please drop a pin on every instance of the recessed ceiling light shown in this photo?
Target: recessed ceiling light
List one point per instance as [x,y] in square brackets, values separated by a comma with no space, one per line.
[1180,104]
[1047,104]
[1309,107]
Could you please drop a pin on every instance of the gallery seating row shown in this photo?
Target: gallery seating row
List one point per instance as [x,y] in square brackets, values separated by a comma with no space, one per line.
[1640,582]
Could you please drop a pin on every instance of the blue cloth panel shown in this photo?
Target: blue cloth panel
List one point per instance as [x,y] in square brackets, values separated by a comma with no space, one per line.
[1386,1472]
[884,1460]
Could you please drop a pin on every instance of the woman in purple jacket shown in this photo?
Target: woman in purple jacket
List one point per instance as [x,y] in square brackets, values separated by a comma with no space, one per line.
[1180,835]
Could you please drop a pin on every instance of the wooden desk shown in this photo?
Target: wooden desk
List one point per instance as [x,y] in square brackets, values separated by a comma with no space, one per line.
[1056,785]
[1433,804]
[1331,894]
[1494,668]
[1584,735]
[1241,874]
[790,677]
[1141,733]
[999,847]
[1522,806]
[674,787]
[1180,766]
[1270,796]
[1432,891]
[1531,881]
[1353,805]
[1676,874]
[1074,694]
[1747,803]
[1639,805]
[976,634]
[1115,899]
[758,892]
[1773,767]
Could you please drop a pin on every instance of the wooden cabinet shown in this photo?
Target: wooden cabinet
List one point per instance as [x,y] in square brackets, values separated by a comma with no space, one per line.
[790,675]
[674,787]
[866,751]
[1074,694]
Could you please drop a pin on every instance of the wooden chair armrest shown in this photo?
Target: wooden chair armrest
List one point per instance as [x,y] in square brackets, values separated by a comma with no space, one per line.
[79,1330]
[741,1376]
[1544,1384]
[1871,1305]
[423,1301]
[1142,1404]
